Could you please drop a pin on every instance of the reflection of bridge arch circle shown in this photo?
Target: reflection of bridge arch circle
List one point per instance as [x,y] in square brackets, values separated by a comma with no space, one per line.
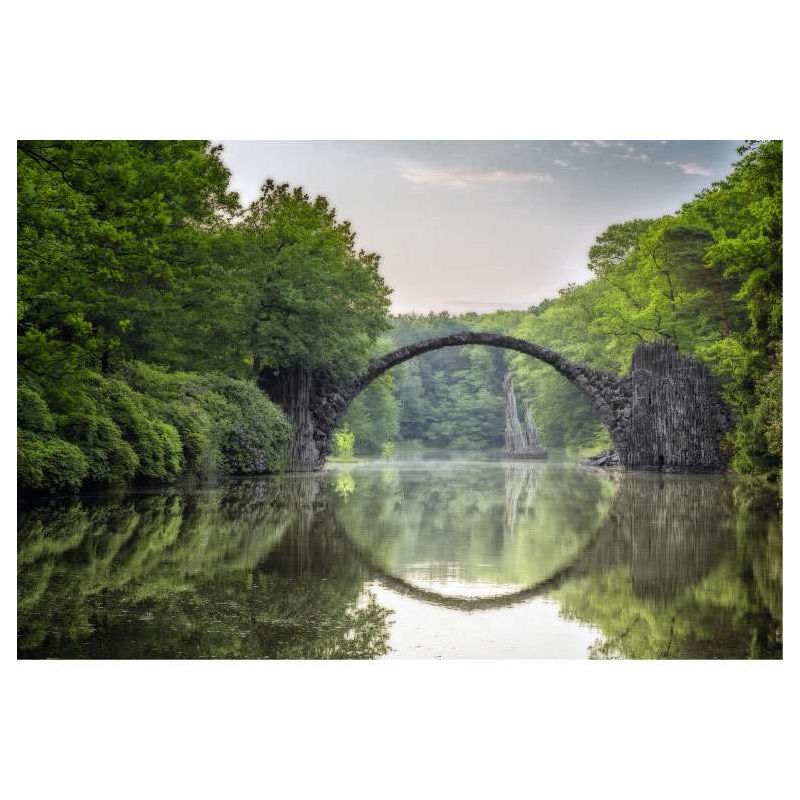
[576,568]
[578,565]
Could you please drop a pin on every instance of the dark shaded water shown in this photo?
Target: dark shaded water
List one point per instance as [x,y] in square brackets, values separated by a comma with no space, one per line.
[458,558]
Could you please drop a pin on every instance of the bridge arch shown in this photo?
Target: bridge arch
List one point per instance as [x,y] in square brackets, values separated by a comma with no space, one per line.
[665,414]
[460,603]
[604,389]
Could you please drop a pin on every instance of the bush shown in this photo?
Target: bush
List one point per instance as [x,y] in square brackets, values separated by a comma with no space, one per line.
[48,462]
[344,443]
[181,399]
[199,436]
[147,423]
[230,425]
[155,442]
[111,458]
[32,411]
[254,433]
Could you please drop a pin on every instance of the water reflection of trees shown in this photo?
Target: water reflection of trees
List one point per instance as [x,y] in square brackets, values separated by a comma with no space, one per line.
[245,571]
[680,572]
[664,566]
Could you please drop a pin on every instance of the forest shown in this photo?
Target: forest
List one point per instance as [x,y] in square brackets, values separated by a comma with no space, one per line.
[150,299]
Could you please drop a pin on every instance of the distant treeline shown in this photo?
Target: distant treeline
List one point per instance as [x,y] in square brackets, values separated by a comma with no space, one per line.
[149,299]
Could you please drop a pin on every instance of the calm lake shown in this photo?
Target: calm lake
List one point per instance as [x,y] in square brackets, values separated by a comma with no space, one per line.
[460,557]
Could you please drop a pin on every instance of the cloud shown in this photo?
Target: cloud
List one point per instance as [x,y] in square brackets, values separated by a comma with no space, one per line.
[559,162]
[633,157]
[694,169]
[689,169]
[586,147]
[461,178]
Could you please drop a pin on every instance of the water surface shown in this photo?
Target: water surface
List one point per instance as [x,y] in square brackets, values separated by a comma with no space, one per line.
[464,557]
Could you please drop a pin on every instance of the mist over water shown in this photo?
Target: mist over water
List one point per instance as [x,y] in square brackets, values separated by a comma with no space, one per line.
[466,556]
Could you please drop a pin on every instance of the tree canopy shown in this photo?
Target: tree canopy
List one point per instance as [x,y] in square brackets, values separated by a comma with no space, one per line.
[147,297]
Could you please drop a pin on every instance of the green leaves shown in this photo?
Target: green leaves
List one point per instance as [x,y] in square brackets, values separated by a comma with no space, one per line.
[152,424]
[138,251]
[374,416]
[315,300]
[108,233]
[49,462]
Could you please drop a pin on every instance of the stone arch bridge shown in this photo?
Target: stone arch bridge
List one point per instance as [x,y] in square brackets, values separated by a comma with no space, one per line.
[665,414]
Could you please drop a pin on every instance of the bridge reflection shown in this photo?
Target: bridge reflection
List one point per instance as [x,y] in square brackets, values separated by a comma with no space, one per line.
[667,531]
[283,568]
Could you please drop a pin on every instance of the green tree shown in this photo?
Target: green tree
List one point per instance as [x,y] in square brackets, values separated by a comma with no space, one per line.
[315,300]
[109,234]
[707,278]
[344,443]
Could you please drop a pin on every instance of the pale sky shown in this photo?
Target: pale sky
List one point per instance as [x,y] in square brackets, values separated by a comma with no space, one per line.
[475,226]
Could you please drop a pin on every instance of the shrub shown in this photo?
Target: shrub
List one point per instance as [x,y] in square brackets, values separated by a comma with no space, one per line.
[146,422]
[199,436]
[256,433]
[32,411]
[344,443]
[116,405]
[229,425]
[111,458]
[48,462]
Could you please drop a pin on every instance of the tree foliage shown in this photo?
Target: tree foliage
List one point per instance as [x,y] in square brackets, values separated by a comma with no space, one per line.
[707,278]
[316,301]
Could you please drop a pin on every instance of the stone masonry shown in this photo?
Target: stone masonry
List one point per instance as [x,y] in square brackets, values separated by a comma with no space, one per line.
[665,414]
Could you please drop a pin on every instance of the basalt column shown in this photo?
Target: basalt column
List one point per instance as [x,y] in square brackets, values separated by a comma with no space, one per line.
[294,390]
[521,442]
[677,418]
[313,402]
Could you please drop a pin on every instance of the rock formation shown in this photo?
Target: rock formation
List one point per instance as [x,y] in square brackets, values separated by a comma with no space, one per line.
[521,441]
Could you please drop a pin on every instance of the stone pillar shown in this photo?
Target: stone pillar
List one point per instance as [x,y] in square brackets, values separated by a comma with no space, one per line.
[515,438]
[521,442]
[313,403]
[677,418]
[292,390]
